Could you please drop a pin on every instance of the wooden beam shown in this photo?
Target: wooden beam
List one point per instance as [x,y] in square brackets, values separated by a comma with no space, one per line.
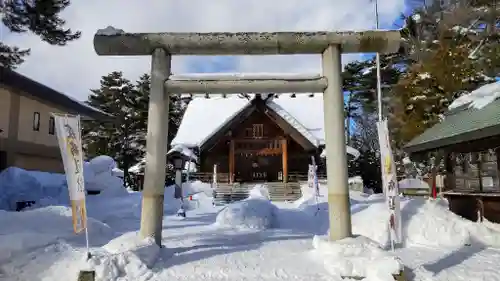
[231,161]
[284,147]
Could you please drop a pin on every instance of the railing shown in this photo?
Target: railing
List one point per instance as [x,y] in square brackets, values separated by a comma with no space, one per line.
[224,177]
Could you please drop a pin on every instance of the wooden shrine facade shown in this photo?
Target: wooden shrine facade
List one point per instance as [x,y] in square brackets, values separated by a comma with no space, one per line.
[257,145]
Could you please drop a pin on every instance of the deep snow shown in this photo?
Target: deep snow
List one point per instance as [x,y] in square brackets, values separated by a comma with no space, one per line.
[259,240]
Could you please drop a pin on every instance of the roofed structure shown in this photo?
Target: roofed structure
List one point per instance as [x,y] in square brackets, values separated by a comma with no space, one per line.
[469,141]
[212,124]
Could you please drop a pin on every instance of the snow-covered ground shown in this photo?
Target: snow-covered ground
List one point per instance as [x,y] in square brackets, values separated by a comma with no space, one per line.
[249,240]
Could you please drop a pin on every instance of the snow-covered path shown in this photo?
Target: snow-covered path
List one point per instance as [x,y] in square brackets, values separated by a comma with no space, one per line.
[469,263]
[197,249]
[207,252]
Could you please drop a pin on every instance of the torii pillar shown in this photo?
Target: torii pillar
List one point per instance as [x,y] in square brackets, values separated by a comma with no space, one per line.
[112,42]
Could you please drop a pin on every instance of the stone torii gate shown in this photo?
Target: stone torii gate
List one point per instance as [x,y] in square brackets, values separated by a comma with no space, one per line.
[161,46]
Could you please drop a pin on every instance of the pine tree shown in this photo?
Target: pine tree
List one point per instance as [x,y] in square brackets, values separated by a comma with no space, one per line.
[125,140]
[360,85]
[40,17]
[116,96]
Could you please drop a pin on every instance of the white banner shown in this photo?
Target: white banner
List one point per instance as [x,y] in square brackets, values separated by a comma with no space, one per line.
[390,182]
[68,132]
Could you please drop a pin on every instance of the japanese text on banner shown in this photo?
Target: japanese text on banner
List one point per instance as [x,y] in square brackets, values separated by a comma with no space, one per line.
[70,144]
[389,181]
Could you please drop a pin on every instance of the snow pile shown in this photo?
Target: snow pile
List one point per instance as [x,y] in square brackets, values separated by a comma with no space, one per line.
[44,189]
[252,213]
[310,200]
[259,191]
[195,189]
[357,257]
[17,185]
[478,98]
[110,31]
[425,222]
[99,176]
[126,256]
[145,249]
[413,184]
[356,183]
[28,230]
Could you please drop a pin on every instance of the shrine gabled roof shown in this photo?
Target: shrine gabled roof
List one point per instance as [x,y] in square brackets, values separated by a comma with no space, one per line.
[204,117]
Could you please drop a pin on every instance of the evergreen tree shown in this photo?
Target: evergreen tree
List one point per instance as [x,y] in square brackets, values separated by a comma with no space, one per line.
[125,140]
[117,139]
[360,85]
[40,17]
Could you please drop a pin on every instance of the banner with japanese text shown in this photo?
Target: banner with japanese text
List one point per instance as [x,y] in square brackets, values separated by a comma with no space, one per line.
[390,182]
[68,132]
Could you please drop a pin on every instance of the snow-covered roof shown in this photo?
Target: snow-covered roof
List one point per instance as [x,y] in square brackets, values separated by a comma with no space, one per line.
[204,117]
[478,98]
[304,113]
[184,150]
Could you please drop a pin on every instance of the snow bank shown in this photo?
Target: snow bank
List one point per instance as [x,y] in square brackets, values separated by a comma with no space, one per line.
[252,213]
[24,231]
[478,98]
[127,255]
[259,191]
[309,198]
[357,257]
[18,185]
[145,249]
[102,176]
[425,222]
[102,163]
[195,189]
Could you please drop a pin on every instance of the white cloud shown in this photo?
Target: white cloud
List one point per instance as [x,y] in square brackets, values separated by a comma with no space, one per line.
[75,68]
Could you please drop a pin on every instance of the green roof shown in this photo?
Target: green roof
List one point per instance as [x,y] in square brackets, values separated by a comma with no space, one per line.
[460,125]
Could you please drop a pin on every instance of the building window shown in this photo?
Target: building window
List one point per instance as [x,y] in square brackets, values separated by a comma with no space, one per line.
[258,130]
[36,121]
[248,132]
[52,125]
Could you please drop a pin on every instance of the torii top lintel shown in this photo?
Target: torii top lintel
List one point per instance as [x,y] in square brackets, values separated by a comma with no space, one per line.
[245,43]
